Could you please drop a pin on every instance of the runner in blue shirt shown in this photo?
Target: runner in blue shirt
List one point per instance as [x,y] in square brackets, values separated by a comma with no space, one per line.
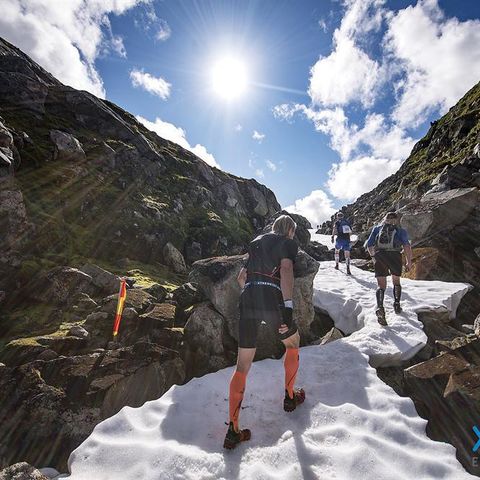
[342,229]
[385,245]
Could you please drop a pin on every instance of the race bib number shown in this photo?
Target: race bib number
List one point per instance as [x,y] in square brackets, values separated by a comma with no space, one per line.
[346,229]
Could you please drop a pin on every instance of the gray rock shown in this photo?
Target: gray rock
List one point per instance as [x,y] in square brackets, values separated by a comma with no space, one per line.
[476,150]
[193,252]
[187,295]
[47,355]
[438,211]
[61,285]
[174,259]
[6,138]
[204,352]
[67,147]
[95,320]
[476,325]
[158,292]
[468,329]
[331,336]
[104,280]
[3,295]
[78,331]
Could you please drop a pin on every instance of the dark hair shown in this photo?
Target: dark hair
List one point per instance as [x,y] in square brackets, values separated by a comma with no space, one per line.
[391,215]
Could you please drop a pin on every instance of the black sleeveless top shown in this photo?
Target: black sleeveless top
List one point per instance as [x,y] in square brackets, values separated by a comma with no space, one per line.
[265,254]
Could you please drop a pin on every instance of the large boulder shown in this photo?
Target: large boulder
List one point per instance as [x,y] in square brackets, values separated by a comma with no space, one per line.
[437,212]
[61,285]
[67,147]
[218,278]
[204,350]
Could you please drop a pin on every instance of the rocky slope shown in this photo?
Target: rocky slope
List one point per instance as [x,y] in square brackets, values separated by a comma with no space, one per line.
[87,194]
[437,191]
[83,184]
[92,182]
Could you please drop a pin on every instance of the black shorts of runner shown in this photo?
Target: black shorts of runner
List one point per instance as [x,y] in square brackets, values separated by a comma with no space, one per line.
[388,262]
[261,303]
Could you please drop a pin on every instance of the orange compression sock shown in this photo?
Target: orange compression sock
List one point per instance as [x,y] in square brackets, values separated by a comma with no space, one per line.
[237,388]
[291,369]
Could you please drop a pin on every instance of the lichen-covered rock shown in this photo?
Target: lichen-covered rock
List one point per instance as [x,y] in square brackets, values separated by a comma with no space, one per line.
[21,471]
[136,298]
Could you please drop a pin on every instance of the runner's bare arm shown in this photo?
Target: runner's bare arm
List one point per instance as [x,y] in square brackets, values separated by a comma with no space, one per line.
[334,232]
[242,277]
[286,278]
[408,253]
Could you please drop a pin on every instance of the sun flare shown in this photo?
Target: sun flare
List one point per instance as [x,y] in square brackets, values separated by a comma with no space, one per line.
[229,78]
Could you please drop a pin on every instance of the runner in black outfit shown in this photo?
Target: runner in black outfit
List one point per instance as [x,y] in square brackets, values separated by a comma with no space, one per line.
[267,283]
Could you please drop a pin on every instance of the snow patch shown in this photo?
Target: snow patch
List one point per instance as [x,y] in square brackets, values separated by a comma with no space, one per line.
[351,425]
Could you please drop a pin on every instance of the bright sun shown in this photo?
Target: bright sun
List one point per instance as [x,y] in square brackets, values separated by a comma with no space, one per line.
[229,78]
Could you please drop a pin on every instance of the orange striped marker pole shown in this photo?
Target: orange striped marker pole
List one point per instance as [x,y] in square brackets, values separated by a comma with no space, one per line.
[122,295]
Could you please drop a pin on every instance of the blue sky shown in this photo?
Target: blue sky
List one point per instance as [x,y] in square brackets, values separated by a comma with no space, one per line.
[336,91]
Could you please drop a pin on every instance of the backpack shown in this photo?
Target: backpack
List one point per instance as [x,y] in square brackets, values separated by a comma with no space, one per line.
[386,237]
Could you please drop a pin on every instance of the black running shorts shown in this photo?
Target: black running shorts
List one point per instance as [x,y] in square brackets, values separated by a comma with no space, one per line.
[388,262]
[261,303]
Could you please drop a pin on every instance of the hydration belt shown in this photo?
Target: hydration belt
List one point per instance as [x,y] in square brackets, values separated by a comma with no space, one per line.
[258,282]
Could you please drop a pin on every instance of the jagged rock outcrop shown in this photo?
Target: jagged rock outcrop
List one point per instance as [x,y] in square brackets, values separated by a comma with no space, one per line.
[437,190]
[446,390]
[48,407]
[21,471]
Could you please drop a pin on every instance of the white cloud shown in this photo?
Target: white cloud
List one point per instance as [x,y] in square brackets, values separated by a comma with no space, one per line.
[439,58]
[272,166]
[65,38]
[148,21]
[348,180]
[316,207]
[238,127]
[426,61]
[323,25]
[163,30]
[176,134]
[259,173]
[258,136]
[348,74]
[154,85]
